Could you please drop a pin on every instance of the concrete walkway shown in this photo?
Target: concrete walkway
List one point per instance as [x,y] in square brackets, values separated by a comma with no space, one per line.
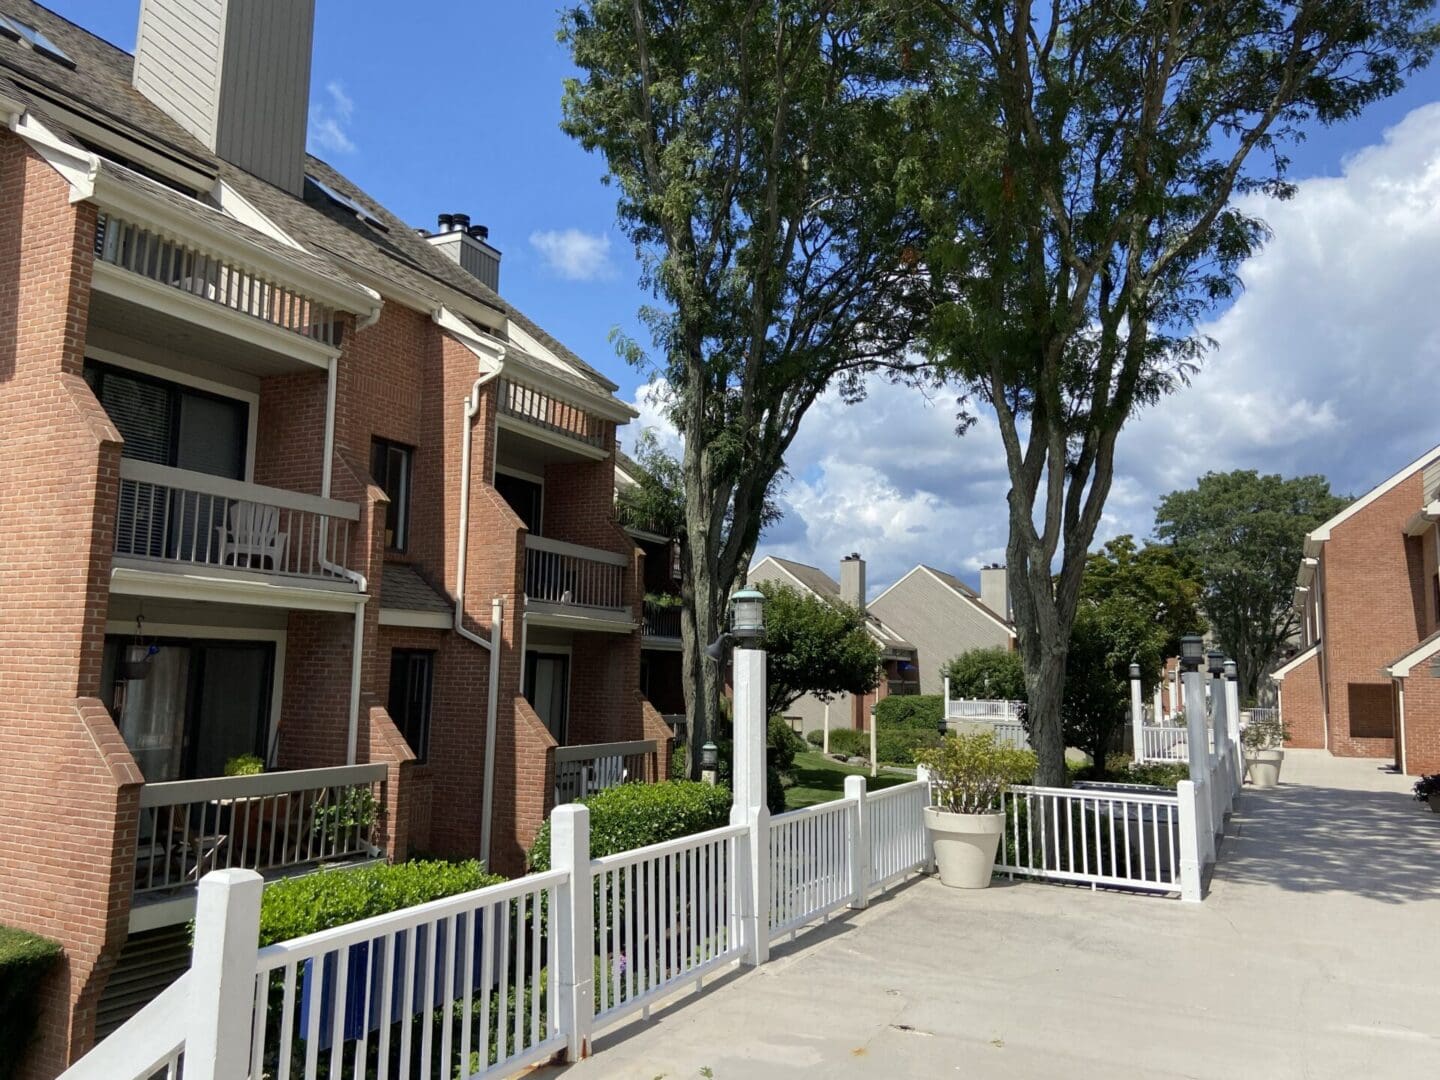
[1315,955]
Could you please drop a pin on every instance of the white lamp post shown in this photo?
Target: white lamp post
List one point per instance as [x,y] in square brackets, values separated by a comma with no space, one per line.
[1137,715]
[1192,657]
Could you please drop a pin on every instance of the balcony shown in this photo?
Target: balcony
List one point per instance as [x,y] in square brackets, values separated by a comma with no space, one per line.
[581,771]
[575,586]
[278,824]
[228,533]
[662,625]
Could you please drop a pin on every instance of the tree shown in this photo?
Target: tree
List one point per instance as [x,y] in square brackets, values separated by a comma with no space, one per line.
[752,148]
[1078,168]
[656,501]
[988,674]
[815,646]
[1134,606]
[1246,532]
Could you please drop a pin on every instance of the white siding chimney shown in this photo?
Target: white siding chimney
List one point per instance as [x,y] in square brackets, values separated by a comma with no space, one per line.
[995,589]
[852,580]
[236,75]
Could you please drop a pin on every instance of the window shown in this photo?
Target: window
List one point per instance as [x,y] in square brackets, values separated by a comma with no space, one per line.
[411,674]
[390,466]
[364,213]
[526,498]
[12,27]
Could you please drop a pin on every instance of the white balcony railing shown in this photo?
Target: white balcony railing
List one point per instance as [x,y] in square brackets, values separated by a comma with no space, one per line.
[584,770]
[177,516]
[561,573]
[223,280]
[976,709]
[549,413]
[273,821]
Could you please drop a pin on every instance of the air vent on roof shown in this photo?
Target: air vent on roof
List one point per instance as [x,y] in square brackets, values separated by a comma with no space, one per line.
[368,216]
[16,30]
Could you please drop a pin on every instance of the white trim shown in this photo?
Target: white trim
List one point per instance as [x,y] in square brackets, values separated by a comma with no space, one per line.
[224,633]
[1278,675]
[147,472]
[1418,655]
[534,478]
[896,584]
[577,551]
[519,474]
[1322,533]
[135,289]
[489,351]
[554,438]
[598,400]
[784,570]
[244,211]
[128,579]
[184,378]
[419,620]
[567,651]
[562,617]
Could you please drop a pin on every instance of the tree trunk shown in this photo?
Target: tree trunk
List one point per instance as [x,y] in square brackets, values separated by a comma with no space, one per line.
[701,675]
[1044,642]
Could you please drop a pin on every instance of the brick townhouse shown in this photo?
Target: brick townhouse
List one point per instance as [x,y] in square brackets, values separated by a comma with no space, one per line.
[282,478]
[1365,681]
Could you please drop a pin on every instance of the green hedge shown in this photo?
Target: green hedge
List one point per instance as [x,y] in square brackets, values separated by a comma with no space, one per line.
[898,745]
[303,905]
[815,738]
[920,711]
[636,815]
[850,742]
[25,958]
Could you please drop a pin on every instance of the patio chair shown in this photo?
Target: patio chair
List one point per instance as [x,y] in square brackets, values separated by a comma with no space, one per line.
[251,535]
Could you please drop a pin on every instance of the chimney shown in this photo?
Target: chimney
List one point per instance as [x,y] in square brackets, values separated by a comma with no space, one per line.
[852,580]
[995,589]
[469,245]
[236,75]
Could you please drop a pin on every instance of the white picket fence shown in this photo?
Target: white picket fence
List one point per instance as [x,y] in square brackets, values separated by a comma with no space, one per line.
[1162,743]
[490,982]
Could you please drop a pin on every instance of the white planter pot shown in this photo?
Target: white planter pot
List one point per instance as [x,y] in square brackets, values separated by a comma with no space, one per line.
[964,845]
[1264,767]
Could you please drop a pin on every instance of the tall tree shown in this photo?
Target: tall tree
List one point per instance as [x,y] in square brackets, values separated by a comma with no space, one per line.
[752,145]
[1078,164]
[991,674]
[1246,532]
[815,646]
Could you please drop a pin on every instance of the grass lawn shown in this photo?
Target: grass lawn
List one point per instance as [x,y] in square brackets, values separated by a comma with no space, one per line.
[819,779]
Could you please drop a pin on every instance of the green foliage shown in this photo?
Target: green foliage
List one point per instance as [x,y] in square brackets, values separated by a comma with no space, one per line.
[1426,786]
[815,646]
[921,711]
[969,773]
[1120,769]
[296,906]
[897,745]
[815,738]
[987,674]
[245,765]
[637,815]
[656,501]
[346,815]
[1246,533]
[784,745]
[25,959]
[849,742]
[1264,732]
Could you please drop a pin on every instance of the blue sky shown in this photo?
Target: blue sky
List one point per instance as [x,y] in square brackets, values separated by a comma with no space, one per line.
[1325,365]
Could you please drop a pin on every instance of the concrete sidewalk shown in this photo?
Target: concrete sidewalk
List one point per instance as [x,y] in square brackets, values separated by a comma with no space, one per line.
[1315,955]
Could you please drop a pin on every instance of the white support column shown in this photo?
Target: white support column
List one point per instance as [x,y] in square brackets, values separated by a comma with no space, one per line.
[570,851]
[749,807]
[222,975]
[1197,739]
[357,651]
[1232,711]
[825,744]
[1137,718]
[946,715]
[1191,860]
[1158,703]
[861,872]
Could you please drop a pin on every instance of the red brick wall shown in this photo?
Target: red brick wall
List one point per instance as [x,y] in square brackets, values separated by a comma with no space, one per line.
[1422,722]
[1301,707]
[64,761]
[1370,573]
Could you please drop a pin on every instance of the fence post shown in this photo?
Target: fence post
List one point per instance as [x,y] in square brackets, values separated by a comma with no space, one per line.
[222,975]
[1232,709]
[574,926]
[749,807]
[1190,858]
[946,715]
[1137,716]
[861,872]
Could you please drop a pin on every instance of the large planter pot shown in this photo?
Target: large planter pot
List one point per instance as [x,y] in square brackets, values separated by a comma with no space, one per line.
[1434,801]
[964,846]
[1264,767]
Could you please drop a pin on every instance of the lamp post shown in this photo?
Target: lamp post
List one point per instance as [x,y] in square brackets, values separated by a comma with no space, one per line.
[1192,658]
[1137,715]
[710,763]
[1215,665]
[1232,716]
[874,762]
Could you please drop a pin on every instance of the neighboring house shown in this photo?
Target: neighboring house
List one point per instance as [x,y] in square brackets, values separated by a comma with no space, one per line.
[943,617]
[1364,681]
[661,671]
[273,450]
[897,654]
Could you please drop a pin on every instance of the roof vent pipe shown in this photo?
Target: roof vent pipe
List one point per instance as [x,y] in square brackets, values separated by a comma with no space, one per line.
[462,222]
[446,222]
[480,232]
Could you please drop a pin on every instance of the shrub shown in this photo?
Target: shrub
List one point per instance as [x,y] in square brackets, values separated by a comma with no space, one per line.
[244,765]
[1265,732]
[920,711]
[1164,774]
[1427,786]
[784,744]
[815,738]
[637,815]
[302,905]
[995,673]
[969,773]
[899,744]
[849,742]
[25,958]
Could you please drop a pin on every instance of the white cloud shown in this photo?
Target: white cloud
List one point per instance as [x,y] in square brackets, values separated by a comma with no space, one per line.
[575,255]
[330,119]
[1326,364]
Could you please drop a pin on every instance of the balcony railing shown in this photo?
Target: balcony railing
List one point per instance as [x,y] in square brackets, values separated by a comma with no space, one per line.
[561,573]
[273,821]
[661,620]
[176,516]
[187,267]
[545,411]
[978,709]
[583,770]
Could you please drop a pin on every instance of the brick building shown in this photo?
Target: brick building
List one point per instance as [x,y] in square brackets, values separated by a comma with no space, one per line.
[1363,683]
[284,479]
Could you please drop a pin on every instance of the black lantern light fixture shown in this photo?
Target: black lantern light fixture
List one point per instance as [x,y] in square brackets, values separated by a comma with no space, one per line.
[1192,652]
[1216,662]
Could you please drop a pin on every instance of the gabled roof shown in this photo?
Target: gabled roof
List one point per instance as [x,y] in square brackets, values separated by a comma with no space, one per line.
[1278,675]
[959,589]
[815,581]
[1417,655]
[1322,532]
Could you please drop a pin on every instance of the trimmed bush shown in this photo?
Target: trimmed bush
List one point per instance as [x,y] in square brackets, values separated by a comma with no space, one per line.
[784,744]
[919,711]
[637,815]
[898,745]
[850,742]
[815,738]
[302,905]
[25,959]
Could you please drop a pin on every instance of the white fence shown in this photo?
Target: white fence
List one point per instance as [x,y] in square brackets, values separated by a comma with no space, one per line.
[490,982]
[581,771]
[1162,743]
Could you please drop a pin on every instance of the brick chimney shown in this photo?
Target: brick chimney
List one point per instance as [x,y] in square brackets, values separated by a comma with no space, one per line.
[852,580]
[236,75]
[995,589]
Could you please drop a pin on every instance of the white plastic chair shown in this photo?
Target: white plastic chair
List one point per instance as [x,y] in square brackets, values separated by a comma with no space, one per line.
[251,535]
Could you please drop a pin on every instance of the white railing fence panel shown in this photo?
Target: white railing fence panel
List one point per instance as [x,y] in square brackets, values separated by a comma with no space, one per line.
[584,770]
[1163,742]
[898,842]
[810,868]
[561,573]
